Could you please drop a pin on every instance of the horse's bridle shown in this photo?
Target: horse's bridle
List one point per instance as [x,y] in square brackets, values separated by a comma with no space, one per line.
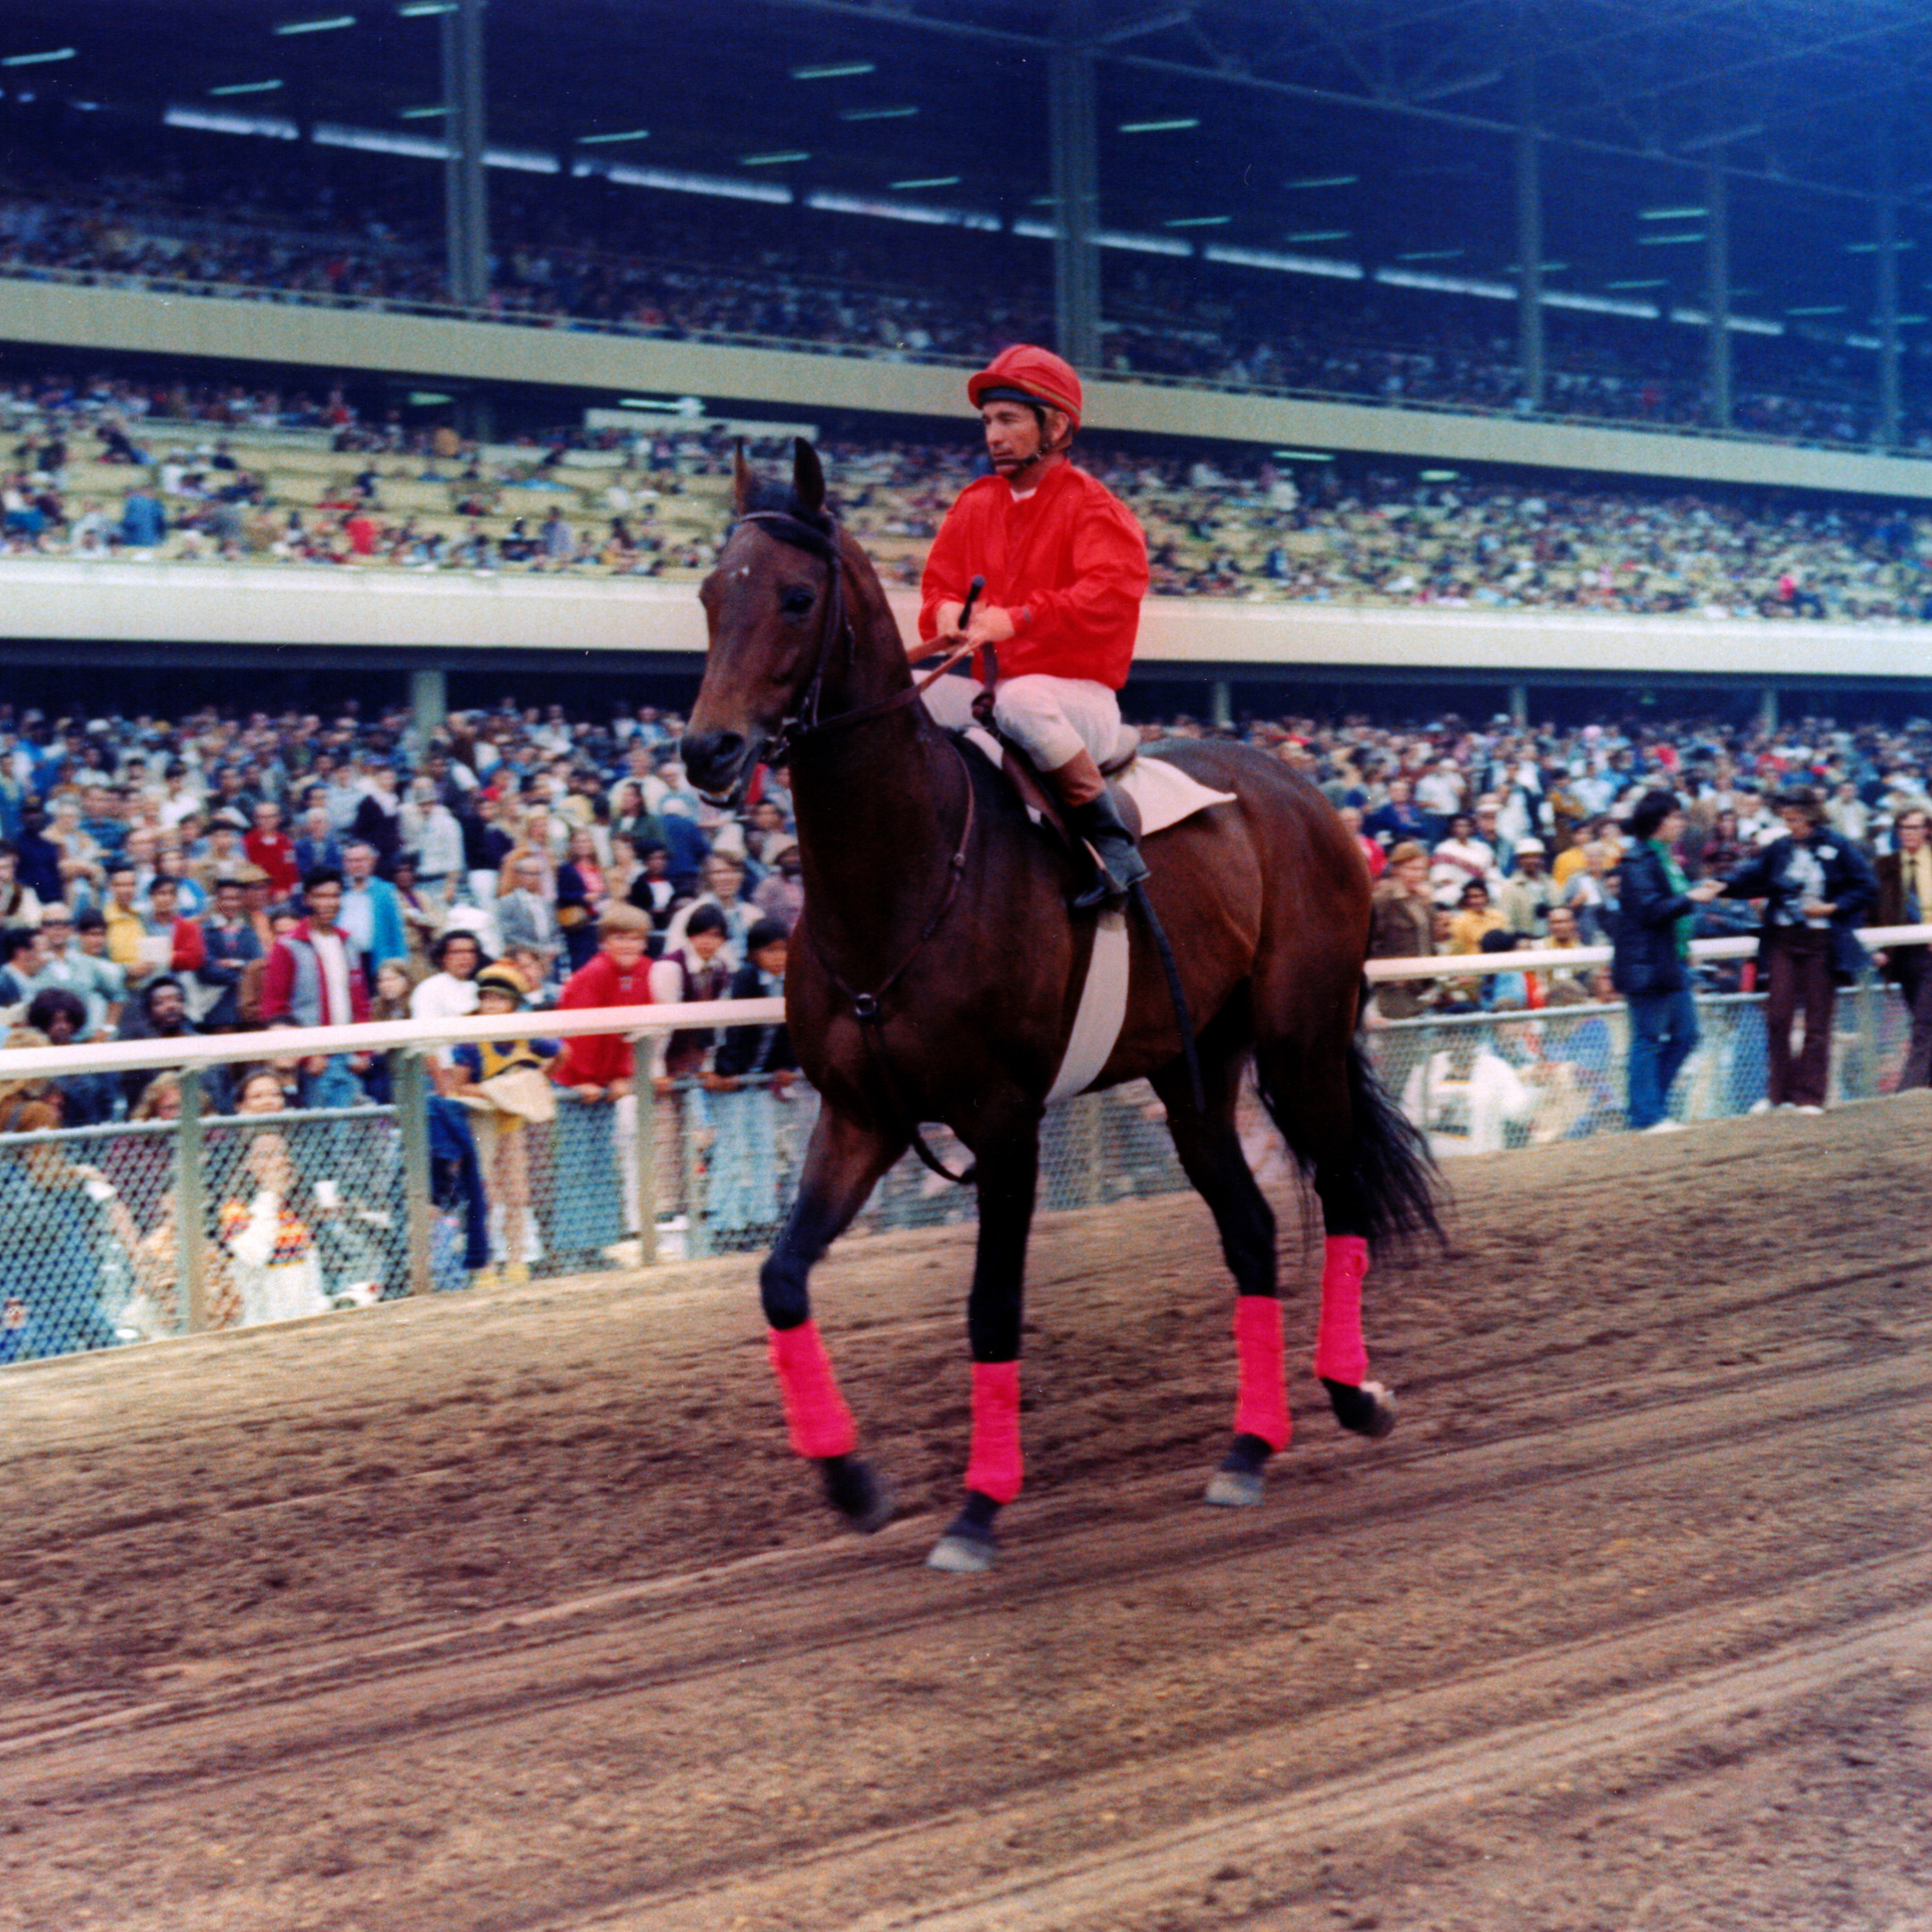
[805,722]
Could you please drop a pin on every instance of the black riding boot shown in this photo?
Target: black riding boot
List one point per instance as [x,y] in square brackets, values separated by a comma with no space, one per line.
[1091,815]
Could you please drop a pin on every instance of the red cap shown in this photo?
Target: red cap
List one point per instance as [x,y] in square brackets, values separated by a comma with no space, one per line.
[1031,374]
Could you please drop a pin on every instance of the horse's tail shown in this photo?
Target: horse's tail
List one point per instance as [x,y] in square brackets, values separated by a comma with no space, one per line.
[1396,1186]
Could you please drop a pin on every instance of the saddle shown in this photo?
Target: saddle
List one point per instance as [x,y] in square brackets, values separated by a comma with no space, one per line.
[1042,807]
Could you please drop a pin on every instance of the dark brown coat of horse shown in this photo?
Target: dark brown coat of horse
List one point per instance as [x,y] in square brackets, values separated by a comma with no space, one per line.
[937,974]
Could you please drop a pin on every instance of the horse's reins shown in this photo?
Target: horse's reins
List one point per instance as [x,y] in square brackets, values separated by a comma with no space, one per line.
[823,544]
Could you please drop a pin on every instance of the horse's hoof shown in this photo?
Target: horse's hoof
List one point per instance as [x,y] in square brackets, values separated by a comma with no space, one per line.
[959,1555]
[1369,1411]
[966,1548]
[857,1494]
[1235,1489]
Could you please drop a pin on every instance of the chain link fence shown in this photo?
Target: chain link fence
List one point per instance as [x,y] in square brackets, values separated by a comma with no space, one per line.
[193,1220]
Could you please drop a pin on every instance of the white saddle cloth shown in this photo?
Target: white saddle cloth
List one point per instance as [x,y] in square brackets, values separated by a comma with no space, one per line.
[1164,795]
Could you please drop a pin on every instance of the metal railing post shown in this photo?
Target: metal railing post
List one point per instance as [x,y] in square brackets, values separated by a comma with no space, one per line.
[697,1225]
[190,1204]
[410,1081]
[644,1155]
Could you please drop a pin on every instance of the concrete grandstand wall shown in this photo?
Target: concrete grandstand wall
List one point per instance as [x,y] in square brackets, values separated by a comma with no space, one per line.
[77,318]
[242,606]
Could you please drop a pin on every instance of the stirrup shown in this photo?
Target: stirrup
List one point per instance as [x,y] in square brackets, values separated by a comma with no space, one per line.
[1114,876]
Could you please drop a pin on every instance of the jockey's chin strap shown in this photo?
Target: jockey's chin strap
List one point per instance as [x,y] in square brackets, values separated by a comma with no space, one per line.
[804,722]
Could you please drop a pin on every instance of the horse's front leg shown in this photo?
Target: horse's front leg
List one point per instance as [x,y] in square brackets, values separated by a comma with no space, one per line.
[842,1164]
[1008,1163]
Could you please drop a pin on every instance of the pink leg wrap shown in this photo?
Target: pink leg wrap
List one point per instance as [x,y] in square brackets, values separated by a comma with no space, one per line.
[995,1468]
[1261,1408]
[1340,1354]
[820,1423]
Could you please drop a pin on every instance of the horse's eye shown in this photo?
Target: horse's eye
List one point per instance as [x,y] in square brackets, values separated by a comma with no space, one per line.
[795,603]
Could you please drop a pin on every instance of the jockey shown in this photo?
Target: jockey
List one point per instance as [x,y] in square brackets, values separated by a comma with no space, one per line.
[1066,569]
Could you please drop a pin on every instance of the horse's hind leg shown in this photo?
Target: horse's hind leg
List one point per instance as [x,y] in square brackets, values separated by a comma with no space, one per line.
[843,1162]
[1211,1156]
[1337,1124]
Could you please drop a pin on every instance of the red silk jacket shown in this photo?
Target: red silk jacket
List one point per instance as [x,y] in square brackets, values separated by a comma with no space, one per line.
[1068,562]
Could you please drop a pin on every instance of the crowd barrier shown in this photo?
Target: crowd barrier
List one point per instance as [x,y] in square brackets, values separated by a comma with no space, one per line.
[203,1218]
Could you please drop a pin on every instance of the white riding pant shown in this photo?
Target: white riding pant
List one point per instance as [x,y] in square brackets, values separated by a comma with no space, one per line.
[1052,719]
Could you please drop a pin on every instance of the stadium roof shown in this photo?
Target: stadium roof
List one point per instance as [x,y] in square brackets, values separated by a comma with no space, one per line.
[1338,130]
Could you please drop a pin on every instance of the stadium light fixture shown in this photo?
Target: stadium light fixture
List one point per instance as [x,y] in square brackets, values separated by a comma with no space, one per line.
[1668,241]
[39,60]
[625,134]
[877,114]
[1433,254]
[1160,127]
[774,160]
[1303,455]
[1672,214]
[429,398]
[1872,247]
[421,114]
[416,9]
[1324,180]
[244,87]
[1320,234]
[929,181]
[1647,282]
[1198,221]
[1438,475]
[331,24]
[836,71]
[1820,309]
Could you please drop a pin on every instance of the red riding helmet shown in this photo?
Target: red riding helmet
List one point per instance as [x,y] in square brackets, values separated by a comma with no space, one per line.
[1027,373]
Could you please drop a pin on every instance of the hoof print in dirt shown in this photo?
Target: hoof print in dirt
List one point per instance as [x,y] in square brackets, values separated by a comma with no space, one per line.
[1369,1411]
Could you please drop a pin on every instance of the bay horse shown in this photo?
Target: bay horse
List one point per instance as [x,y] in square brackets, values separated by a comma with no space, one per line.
[937,970]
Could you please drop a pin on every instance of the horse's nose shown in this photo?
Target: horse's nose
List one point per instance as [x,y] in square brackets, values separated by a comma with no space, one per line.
[713,758]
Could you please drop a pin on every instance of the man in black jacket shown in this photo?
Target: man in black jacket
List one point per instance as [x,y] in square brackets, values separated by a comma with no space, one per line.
[1650,962]
[1817,887]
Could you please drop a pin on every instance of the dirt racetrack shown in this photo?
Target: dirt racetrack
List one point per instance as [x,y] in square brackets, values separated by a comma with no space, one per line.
[513,1613]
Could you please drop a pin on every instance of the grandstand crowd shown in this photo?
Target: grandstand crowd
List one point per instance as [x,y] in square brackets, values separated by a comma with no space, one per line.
[191,213]
[106,467]
[241,873]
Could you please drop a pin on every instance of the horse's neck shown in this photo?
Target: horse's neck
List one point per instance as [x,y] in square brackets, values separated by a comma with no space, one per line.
[879,804]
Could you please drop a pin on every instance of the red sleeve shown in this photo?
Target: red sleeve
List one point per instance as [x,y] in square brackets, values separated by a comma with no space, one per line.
[1099,613]
[359,1001]
[279,981]
[949,562]
[190,953]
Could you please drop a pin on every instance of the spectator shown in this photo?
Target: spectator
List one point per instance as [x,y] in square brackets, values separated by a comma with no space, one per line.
[1656,908]
[271,847]
[751,1080]
[1816,889]
[86,1099]
[1400,928]
[312,979]
[371,913]
[504,1080]
[1905,899]
[597,1125]
[229,945]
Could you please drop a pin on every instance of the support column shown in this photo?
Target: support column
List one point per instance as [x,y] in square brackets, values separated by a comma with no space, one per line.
[1076,189]
[1221,701]
[1528,241]
[1717,289]
[1888,318]
[1519,705]
[465,200]
[1768,707]
[429,701]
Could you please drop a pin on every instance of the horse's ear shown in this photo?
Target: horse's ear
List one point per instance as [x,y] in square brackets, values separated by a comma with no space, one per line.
[743,482]
[808,478]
